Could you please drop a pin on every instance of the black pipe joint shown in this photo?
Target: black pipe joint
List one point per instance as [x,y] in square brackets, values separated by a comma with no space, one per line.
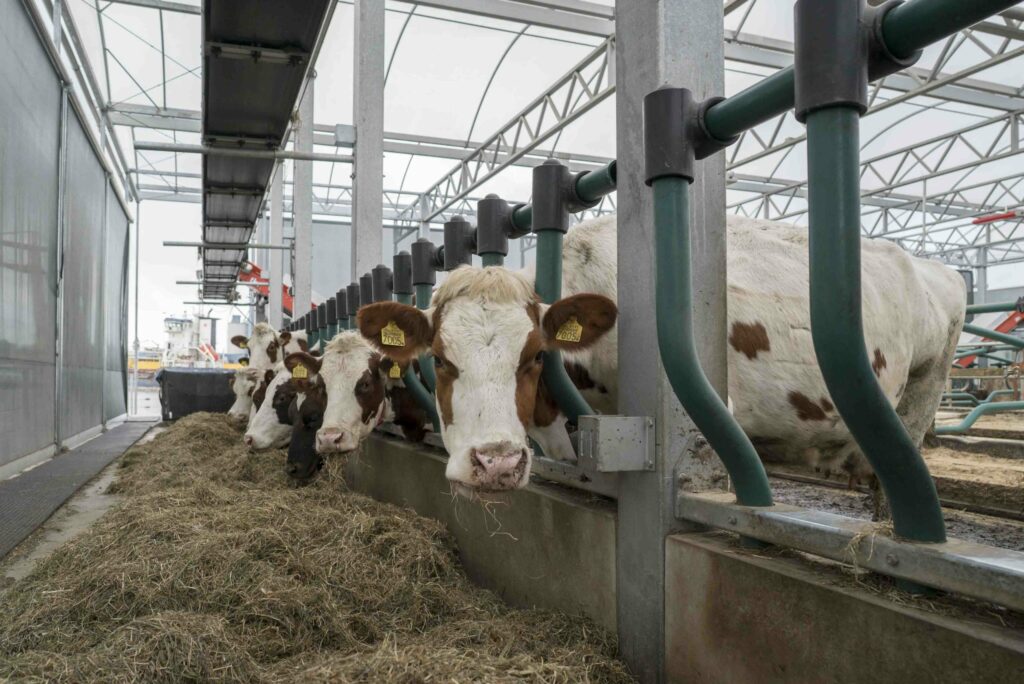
[555,196]
[381,283]
[493,225]
[307,323]
[365,289]
[459,243]
[332,311]
[839,50]
[1020,305]
[352,293]
[424,262]
[675,134]
[341,297]
[402,276]
[321,316]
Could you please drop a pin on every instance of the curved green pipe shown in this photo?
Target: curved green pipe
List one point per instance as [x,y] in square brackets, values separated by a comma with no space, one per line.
[548,285]
[833,169]
[412,382]
[674,305]
[992,308]
[976,413]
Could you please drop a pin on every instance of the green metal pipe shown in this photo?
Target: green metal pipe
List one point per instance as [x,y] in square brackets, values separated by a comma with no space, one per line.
[404,299]
[976,413]
[991,308]
[313,338]
[343,323]
[424,398]
[492,259]
[974,351]
[674,306]
[594,185]
[907,28]
[919,23]
[548,285]
[332,330]
[833,166]
[1015,342]
[424,293]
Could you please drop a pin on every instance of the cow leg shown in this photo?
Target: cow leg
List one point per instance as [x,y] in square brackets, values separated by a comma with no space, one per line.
[554,440]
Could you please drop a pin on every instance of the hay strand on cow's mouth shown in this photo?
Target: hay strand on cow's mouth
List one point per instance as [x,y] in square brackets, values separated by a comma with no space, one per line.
[214,568]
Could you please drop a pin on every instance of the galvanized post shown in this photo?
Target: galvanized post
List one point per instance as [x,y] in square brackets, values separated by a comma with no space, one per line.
[302,201]
[275,267]
[656,44]
[368,184]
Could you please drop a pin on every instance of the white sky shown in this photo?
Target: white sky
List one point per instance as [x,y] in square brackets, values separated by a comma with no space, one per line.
[436,80]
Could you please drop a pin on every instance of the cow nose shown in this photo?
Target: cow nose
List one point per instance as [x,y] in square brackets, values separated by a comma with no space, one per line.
[329,439]
[498,467]
[248,441]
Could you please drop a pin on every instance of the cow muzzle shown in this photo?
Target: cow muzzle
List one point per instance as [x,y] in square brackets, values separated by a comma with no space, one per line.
[499,467]
[335,440]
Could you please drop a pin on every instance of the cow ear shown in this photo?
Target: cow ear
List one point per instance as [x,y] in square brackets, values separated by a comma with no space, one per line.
[578,321]
[240,341]
[301,360]
[399,331]
[284,338]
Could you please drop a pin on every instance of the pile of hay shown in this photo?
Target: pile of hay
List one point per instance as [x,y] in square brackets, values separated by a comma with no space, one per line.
[214,568]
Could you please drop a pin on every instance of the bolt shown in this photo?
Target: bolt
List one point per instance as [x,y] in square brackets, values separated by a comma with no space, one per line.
[891,560]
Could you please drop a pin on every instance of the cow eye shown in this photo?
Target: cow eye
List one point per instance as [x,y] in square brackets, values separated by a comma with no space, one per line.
[539,358]
[363,386]
[438,362]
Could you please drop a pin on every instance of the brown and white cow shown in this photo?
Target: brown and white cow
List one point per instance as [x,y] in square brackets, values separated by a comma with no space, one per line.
[486,329]
[243,383]
[361,393]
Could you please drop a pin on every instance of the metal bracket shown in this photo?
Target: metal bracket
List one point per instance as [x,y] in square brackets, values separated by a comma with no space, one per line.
[617,443]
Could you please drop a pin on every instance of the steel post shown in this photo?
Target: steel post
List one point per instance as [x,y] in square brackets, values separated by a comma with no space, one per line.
[302,202]
[275,265]
[368,117]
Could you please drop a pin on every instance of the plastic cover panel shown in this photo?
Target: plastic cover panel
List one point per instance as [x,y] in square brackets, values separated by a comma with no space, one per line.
[115,305]
[29,141]
[84,204]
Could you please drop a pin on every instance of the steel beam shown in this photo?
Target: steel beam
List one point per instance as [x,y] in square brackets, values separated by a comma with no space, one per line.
[306,155]
[367,238]
[302,193]
[275,267]
[657,41]
[549,14]
[162,5]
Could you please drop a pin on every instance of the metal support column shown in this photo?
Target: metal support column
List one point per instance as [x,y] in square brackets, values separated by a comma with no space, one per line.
[275,265]
[302,202]
[656,44]
[981,281]
[368,185]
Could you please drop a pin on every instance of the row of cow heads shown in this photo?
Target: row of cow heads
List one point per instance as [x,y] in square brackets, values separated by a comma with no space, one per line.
[487,331]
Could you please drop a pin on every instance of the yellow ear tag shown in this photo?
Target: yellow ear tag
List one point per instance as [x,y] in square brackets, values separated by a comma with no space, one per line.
[300,372]
[392,336]
[243,362]
[243,345]
[395,371]
[571,331]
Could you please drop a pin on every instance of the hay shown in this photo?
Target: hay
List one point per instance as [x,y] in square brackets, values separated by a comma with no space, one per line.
[214,568]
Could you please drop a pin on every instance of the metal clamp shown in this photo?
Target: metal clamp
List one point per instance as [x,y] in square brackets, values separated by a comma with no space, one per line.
[617,443]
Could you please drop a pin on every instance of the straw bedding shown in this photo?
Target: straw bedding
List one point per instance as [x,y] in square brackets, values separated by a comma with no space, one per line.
[214,568]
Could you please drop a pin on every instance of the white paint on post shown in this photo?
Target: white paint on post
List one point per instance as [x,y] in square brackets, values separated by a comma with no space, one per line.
[302,201]
[368,186]
[275,267]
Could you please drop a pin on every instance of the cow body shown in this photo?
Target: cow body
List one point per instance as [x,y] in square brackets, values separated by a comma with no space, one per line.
[486,326]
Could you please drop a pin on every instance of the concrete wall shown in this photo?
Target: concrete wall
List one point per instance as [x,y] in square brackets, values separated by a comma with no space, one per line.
[737,617]
[547,547]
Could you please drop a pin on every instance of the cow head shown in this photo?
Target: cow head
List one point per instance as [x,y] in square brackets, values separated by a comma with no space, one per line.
[292,342]
[487,331]
[307,415]
[356,400]
[243,383]
[263,346]
[270,427]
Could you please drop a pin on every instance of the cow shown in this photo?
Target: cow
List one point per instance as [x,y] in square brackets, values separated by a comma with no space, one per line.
[487,328]
[306,416]
[243,383]
[362,390]
[263,346]
[270,424]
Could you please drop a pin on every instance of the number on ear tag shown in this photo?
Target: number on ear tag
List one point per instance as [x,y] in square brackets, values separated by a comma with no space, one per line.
[300,372]
[392,336]
[571,331]
[395,371]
